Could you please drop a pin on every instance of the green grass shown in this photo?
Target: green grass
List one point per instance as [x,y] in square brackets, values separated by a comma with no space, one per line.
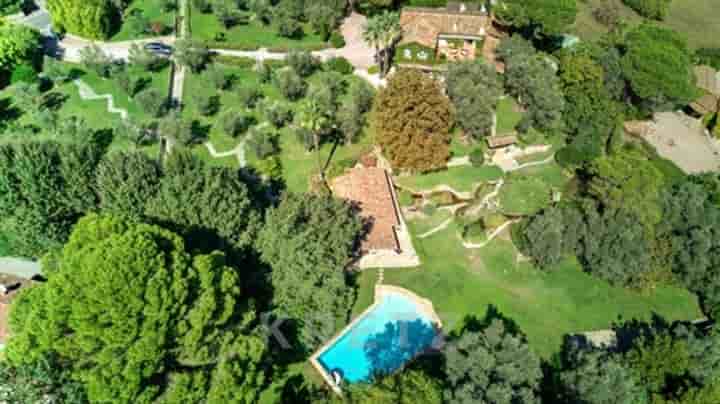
[298,164]
[4,245]
[546,305]
[525,196]
[550,173]
[428,223]
[252,35]
[507,115]
[696,19]
[153,11]
[462,179]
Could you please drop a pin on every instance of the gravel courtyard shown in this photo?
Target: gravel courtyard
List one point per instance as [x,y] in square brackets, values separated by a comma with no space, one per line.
[679,138]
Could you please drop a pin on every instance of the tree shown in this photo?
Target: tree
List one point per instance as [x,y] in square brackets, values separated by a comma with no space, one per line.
[216,76]
[44,188]
[407,387]
[323,19]
[290,84]
[126,305]
[18,44]
[94,19]
[234,123]
[211,207]
[413,118]
[126,182]
[95,59]
[352,114]
[55,71]
[383,31]
[492,366]
[597,378]
[302,62]
[193,55]
[475,89]
[9,7]
[308,241]
[544,237]
[137,22]
[152,101]
[657,64]
[145,59]
[290,28]
[531,78]
[541,17]
[206,104]
[226,11]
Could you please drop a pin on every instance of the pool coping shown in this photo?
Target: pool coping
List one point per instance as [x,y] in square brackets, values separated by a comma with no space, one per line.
[425,306]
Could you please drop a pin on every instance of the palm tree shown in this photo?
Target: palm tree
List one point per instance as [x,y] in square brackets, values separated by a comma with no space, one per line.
[382,31]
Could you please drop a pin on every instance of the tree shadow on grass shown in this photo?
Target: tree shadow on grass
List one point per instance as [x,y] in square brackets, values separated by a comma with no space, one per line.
[399,343]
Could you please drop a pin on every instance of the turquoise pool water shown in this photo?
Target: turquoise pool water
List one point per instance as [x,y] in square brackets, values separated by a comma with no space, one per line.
[386,338]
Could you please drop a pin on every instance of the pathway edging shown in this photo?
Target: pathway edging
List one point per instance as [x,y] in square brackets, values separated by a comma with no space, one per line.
[87,93]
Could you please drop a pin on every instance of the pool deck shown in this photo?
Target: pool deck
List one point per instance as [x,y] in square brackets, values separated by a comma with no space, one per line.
[424,305]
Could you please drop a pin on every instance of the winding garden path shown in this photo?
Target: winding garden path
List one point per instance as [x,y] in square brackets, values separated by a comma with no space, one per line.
[238,152]
[87,93]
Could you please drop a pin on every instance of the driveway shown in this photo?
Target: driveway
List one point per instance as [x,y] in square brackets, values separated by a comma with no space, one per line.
[681,139]
[70,46]
[19,267]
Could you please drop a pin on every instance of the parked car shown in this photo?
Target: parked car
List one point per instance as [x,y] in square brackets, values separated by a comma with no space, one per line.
[159,49]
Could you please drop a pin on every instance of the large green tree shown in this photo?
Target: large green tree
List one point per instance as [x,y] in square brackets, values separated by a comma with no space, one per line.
[94,19]
[492,365]
[475,89]
[18,44]
[308,241]
[657,64]
[412,119]
[382,32]
[126,181]
[542,17]
[407,387]
[128,309]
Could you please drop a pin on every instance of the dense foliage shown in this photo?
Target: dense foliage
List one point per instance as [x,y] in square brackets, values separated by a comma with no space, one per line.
[134,315]
[655,9]
[541,17]
[412,118]
[94,19]
[475,89]
[18,44]
[308,241]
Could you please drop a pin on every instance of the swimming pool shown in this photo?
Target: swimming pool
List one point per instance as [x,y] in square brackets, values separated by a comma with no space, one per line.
[393,331]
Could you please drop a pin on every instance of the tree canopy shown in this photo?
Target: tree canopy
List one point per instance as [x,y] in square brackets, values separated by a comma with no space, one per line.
[126,307]
[542,17]
[475,89]
[94,19]
[412,118]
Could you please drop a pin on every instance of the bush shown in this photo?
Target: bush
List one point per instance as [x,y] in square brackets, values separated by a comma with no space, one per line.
[151,101]
[23,73]
[277,113]
[374,69]
[219,79]
[477,157]
[289,28]
[708,56]
[94,19]
[270,167]
[290,84]
[249,95]
[95,59]
[337,40]
[655,9]
[303,62]
[340,65]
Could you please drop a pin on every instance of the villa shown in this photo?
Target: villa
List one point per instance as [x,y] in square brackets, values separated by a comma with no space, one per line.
[458,32]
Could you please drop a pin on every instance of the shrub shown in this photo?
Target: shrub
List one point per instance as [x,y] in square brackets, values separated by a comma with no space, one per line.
[219,79]
[290,28]
[340,65]
[337,40]
[23,73]
[374,69]
[477,157]
[249,95]
[303,62]
[93,19]
[290,84]
[708,56]
[270,167]
[95,59]
[277,113]
[655,9]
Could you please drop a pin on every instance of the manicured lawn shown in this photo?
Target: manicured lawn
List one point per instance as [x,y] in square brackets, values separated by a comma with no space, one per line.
[152,10]
[525,196]
[507,115]
[463,178]
[252,35]
[4,245]
[550,173]
[430,222]
[696,19]
[546,305]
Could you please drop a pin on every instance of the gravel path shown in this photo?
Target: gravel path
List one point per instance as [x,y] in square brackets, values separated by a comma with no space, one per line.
[88,94]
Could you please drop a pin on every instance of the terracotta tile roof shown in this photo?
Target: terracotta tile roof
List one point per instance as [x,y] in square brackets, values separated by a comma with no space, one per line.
[370,189]
[425,25]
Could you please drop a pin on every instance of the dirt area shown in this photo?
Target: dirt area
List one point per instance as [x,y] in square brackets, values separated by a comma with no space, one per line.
[681,139]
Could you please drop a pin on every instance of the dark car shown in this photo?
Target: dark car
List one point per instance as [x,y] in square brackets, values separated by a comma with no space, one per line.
[159,49]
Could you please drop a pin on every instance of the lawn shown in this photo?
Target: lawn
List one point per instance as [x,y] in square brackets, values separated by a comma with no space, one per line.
[427,223]
[152,10]
[298,164]
[696,19]
[507,115]
[546,305]
[250,36]
[525,196]
[4,245]
[461,179]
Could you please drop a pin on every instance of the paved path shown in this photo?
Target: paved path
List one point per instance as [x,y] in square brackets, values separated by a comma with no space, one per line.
[439,228]
[19,267]
[70,47]
[238,151]
[88,94]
